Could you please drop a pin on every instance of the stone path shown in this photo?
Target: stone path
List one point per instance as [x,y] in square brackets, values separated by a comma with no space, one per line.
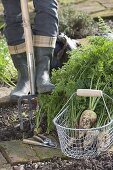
[16,152]
[103,8]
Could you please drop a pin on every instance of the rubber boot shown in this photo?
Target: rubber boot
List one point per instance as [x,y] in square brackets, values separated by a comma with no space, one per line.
[43,56]
[23,85]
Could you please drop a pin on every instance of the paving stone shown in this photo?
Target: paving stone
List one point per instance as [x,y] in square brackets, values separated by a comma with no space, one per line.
[16,152]
[4,91]
[4,95]
[105,13]
[71,1]
[2,160]
[78,1]
[106,3]
[45,153]
[3,163]
[6,167]
[88,7]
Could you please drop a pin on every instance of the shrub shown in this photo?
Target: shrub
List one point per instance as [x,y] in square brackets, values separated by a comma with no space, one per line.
[76,24]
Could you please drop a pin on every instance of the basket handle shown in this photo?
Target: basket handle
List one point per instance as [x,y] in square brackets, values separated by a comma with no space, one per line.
[89,92]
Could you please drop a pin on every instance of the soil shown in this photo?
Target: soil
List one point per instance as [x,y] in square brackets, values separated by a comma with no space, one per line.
[10,124]
[103,162]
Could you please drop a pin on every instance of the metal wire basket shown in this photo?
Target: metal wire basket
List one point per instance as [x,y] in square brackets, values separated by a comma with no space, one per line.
[82,143]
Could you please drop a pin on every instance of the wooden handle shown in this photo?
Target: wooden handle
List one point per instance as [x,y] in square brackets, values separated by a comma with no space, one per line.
[29,44]
[27,26]
[31,142]
[38,139]
[89,92]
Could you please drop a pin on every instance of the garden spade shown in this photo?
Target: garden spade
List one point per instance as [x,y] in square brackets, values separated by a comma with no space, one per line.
[31,99]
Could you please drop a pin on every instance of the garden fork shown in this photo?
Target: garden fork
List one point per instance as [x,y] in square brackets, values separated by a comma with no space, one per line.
[31,99]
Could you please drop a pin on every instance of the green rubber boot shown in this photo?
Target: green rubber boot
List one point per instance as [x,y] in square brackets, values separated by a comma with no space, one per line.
[43,55]
[23,86]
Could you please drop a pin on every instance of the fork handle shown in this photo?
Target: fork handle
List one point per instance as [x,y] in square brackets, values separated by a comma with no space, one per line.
[38,139]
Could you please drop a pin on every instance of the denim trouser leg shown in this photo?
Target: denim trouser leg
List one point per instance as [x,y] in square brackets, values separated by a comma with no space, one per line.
[46,19]
[13,19]
[45,23]
[45,33]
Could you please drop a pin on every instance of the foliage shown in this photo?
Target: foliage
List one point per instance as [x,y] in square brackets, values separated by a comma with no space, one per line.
[94,60]
[7,71]
[103,27]
[76,24]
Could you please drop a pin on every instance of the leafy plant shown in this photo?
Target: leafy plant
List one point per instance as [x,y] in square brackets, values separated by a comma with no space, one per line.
[94,60]
[7,70]
[103,27]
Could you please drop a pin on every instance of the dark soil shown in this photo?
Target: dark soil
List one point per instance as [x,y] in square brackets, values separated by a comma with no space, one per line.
[10,124]
[103,162]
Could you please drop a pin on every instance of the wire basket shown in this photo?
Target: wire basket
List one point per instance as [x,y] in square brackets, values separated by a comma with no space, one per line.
[78,142]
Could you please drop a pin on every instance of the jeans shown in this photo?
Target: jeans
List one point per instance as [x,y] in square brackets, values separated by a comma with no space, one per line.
[45,21]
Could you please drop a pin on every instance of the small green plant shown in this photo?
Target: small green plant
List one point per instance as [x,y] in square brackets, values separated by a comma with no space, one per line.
[7,70]
[103,27]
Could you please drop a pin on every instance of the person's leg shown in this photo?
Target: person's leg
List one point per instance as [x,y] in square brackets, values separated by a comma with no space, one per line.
[14,34]
[13,30]
[45,32]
